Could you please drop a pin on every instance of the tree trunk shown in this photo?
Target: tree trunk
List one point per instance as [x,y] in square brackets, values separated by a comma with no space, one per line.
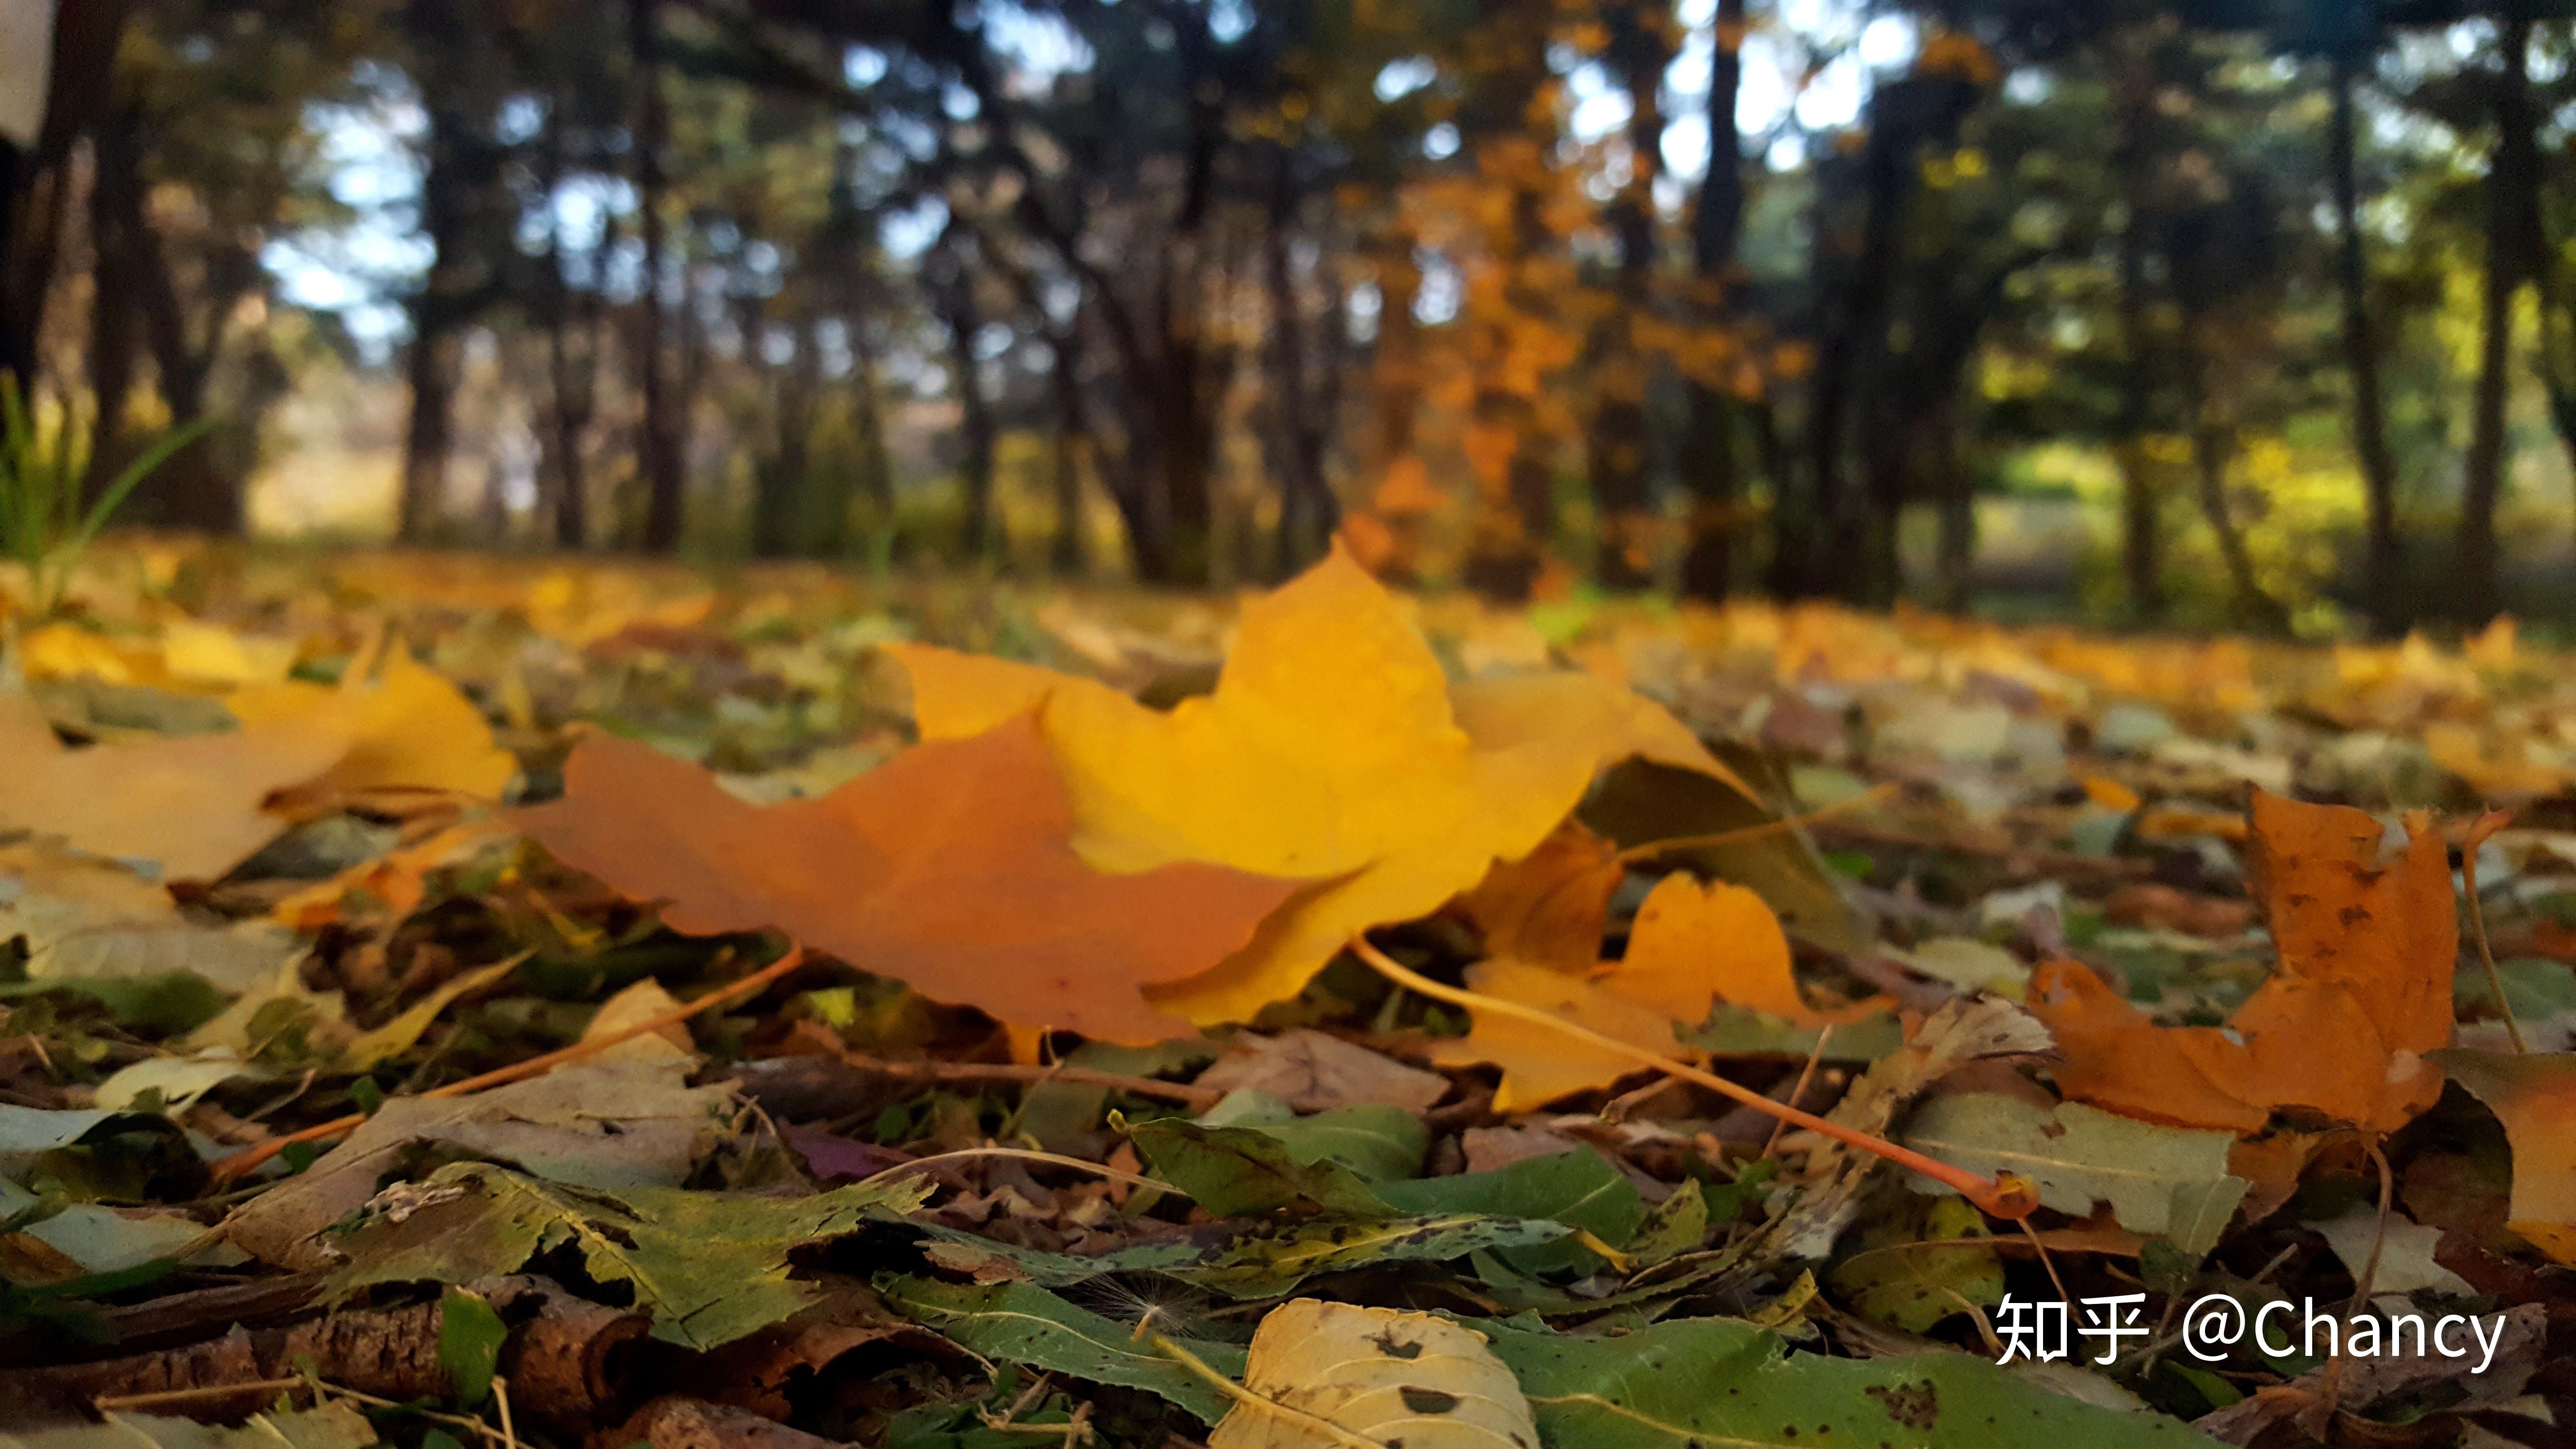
[438,308]
[115,214]
[2512,181]
[660,459]
[1953,574]
[1515,516]
[2382,587]
[976,424]
[1709,468]
[2213,447]
[1619,452]
[1856,277]
[571,377]
[1299,419]
[35,189]
[1399,500]
[1070,553]
[2141,528]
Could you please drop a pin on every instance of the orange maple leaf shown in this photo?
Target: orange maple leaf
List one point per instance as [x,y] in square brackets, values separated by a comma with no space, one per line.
[949,868]
[2362,991]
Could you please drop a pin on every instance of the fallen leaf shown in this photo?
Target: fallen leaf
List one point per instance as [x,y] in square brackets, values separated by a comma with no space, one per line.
[2167,1181]
[946,868]
[326,1426]
[1317,1067]
[2366,955]
[1697,943]
[1540,1065]
[607,1126]
[1902,1281]
[2534,1097]
[1330,750]
[1376,1142]
[1552,905]
[191,805]
[409,730]
[384,1043]
[1694,945]
[210,654]
[707,1267]
[2357,1382]
[180,1081]
[2397,1252]
[1382,1374]
[1725,1381]
[86,920]
[1985,1028]
[1023,1323]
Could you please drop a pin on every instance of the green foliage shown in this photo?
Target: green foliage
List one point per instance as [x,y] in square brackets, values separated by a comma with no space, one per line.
[708,1267]
[45,522]
[1724,1381]
[1025,1324]
[470,1336]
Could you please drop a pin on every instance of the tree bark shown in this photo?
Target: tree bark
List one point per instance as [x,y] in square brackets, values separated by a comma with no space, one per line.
[2141,528]
[1515,516]
[2512,181]
[115,331]
[35,190]
[2381,562]
[1619,452]
[1070,552]
[1709,467]
[659,445]
[1300,420]
[958,308]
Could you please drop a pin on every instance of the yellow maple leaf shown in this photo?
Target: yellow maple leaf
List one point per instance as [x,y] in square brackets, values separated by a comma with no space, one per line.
[1331,750]
[1694,944]
[410,730]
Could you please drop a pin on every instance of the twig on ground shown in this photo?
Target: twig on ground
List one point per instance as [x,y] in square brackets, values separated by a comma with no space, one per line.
[2009,1197]
[230,1168]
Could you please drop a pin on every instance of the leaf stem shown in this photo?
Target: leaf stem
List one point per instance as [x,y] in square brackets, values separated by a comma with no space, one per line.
[2487,824]
[230,1169]
[2009,1197]
[1315,1426]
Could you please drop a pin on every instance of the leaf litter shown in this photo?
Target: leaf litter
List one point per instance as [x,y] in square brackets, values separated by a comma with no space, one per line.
[1179,1046]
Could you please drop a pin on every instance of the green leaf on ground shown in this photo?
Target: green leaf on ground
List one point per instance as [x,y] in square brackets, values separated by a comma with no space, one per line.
[470,1336]
[1703,1381]
[1241,1171]
[708,1267]
[2168,1181]
[330,1426]
[1377,1142]
[1022,1323]
[1916,1288]
[1580,1189]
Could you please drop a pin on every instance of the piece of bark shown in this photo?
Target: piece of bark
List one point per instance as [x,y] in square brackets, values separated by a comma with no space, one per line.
[563,1358]
[675,1422]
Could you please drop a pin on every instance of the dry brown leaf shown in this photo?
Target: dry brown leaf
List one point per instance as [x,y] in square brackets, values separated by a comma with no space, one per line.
[1319,1068]
[2366,955]
[191,803]
[948,868]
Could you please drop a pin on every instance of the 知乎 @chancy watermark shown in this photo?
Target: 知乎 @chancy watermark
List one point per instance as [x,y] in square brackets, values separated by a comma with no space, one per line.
[2215,1324]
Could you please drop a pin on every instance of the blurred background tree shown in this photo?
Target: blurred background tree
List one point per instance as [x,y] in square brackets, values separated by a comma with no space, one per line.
[2225,312]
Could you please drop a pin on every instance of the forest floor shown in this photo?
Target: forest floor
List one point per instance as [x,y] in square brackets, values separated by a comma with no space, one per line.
[452,999]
